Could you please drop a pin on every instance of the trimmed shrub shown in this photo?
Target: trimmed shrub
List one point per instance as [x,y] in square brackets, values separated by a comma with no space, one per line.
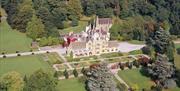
[121,65]
[32,53]
[4,56]
[75,73]
[18,54]
[3,53]
[17,51]
[136,63]
[130,65]
[146,50]
[47,51]
[66,74]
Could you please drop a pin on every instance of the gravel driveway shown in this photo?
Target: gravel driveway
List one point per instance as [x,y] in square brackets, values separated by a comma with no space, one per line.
[127,47]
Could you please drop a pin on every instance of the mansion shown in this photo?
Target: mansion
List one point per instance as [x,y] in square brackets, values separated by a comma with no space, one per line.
[94,40]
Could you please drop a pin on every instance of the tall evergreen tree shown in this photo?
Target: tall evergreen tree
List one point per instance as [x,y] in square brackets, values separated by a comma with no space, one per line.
[162,43]
[162,71]
[99,78]
[75,73]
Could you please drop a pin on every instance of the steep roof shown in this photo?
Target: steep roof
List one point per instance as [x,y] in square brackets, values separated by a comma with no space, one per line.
[112,44]
[77,45]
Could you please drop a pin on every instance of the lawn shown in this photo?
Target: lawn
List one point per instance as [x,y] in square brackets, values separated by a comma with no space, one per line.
[177,45]
[177,57]
[135,52]
[82,25]
[24,64]
[109,55]
[70,85]
[133,77]
[12,40]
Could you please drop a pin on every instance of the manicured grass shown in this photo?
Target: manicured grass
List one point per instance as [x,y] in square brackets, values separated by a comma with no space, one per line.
[177,45]
[82,25]
[133,77]
[12,40]
[24,64]
[135,52]
[70,85]
[177,60]
[177,57]
[109,55]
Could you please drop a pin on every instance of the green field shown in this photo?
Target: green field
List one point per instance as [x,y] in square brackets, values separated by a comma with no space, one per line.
[70,85]
[177,57]
[82,25]
[133,77]
[24,64]
[177,45]
[12,40]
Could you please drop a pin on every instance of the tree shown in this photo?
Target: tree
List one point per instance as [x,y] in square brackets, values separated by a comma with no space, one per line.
[75,7]
[99,78]
[162,43]
[162,71]
[41,81]
[146,50]
[66,74]
[104,13]
[75,73]
[35,28]
[89,7]
[74,22]
[56,74]
[23,15]
[11,8]
[11,81]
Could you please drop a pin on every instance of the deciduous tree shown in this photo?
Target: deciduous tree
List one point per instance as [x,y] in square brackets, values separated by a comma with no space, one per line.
[35,28]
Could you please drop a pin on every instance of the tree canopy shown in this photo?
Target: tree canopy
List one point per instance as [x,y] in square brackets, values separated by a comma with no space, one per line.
[11,81]
[40,81]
